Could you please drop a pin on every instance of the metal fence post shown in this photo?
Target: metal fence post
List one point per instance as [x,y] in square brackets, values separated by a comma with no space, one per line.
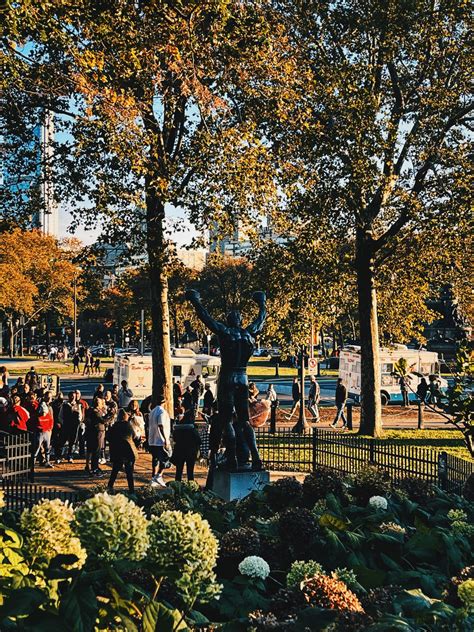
[314,445]
[31,476]
[372,451]
[443,470]
[273,413]
[420,415]
[349,416]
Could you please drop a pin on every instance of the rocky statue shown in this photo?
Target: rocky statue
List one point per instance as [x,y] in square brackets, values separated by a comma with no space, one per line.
[237,344]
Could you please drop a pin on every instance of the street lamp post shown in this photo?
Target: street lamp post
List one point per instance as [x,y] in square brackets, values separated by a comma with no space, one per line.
[302,425]
[75,314]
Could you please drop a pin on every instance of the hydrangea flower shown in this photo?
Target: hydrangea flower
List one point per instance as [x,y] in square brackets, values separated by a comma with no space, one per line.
[300,571]
[378,502]
[254,566]
[48,532]
[183,546]
[112,528]
[466,594]
[345,575]
[456,515]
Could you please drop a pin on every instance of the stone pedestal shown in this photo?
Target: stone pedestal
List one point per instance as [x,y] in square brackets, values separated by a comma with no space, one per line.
[236,485]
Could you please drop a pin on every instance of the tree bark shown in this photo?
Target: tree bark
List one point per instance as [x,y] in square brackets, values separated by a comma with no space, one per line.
[157,257]
[371,406]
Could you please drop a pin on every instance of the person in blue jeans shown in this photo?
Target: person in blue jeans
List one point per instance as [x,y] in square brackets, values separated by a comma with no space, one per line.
[341,398]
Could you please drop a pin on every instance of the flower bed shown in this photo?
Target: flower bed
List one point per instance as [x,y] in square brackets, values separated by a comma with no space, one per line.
[329,554]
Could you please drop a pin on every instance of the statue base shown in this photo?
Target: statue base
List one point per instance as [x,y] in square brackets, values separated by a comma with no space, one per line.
[237,485]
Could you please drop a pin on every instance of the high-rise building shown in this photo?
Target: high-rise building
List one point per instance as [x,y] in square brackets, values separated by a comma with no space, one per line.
[25,174]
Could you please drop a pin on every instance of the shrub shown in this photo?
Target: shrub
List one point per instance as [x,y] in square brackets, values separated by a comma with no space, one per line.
[379,503]
[417,489]
[286,602]
[451,593]
[239,543]
[468,489]
[370,481]
[347,576]
[285,492]
[321,482]
[185,549]
[254,566]
[378,601]
[166,504]
[112,528]
[301,571]
[48,532]
[297,527]
[466,594]
[326,592]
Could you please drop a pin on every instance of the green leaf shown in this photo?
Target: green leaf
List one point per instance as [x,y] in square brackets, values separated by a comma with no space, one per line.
[412,602]
[22,602]
[332,522]
[159,618]
[368,577]
[391,623]
[79,608]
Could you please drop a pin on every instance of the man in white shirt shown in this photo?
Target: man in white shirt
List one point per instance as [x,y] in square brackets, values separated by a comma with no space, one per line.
[124,395]
[159,430]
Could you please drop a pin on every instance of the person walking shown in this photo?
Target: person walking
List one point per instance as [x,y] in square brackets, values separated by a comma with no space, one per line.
[124,395]
[97,365]
[44,428]
[314,398]
[87,363]
[186,446]
[341,398]
[295,394]
[159,428]
[123,452]
[95,435]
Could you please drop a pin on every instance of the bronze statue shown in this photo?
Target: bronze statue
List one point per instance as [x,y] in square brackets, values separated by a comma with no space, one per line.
[236,345]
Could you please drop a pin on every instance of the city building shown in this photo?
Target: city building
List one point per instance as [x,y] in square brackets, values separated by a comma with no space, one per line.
[25,174]
[239,243]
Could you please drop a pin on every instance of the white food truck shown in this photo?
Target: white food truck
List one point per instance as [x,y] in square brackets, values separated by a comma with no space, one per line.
[185,366]
[418,361]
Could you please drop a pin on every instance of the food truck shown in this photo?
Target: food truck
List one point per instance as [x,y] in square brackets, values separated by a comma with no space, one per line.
[419,362]
[186,365]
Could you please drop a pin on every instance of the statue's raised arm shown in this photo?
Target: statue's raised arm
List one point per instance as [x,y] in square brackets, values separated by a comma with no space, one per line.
[194,298]
[257,325]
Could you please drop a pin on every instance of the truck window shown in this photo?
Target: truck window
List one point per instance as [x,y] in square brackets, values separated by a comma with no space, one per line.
[387,367]
[209,371]
[177,370]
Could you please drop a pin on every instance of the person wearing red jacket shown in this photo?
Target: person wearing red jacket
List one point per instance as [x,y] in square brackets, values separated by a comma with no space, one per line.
[44,428]
[31,404]
[19,417]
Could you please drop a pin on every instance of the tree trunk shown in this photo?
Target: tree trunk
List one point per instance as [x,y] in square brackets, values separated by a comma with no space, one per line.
[371,407]
[11,335]
[157,256]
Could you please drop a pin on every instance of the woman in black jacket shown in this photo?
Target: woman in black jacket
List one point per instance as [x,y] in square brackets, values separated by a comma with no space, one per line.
[123,451]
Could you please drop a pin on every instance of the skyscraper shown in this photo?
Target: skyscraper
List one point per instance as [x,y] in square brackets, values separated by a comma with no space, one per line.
[26,175]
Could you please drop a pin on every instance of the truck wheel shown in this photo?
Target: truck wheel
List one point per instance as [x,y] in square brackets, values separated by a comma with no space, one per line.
[385,398]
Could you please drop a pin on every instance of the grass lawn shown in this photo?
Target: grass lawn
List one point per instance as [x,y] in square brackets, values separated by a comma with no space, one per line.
[47,367]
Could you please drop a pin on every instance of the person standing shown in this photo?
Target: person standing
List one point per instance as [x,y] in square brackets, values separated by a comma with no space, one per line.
[87,363]
[422,390]
[271,395]
[295,394]
[123,452]
[403,383]
[70,417]
[95,435]
[186,446]
[56,405]
[82,426]
[314,398]
[197,386]
[44,428]
[341,398]
[97,365]
[75,363]
[187,400]
[159,429]
[124,395]
[32,379]
[209,400]
[137,422]
[19,416]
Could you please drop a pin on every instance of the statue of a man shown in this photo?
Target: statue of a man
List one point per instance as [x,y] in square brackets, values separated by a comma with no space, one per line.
[237,345]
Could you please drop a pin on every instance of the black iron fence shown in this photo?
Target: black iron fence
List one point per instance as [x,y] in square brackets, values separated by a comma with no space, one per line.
[15,456]
[287,451]
[19,495]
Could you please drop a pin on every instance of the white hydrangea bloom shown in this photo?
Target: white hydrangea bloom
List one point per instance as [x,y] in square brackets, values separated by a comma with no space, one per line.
[254,566]
[378,503]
